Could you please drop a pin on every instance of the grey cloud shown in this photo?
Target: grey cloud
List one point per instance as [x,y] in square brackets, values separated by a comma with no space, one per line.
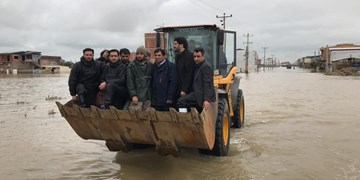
[290,28]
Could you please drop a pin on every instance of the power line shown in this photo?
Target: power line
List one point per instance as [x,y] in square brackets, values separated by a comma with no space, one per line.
[209,6]
[203,7]
[214,7]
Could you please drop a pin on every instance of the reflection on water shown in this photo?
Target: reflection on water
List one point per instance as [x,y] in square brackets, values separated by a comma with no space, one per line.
[299,125]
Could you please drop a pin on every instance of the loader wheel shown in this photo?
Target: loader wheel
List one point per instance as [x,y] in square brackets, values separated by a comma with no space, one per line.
[239,114]
[222,131]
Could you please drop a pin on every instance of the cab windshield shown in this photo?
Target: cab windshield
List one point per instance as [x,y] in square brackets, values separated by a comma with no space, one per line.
[196,37]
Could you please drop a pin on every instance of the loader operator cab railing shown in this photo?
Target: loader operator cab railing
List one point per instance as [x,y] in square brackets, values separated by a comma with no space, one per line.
[219,45]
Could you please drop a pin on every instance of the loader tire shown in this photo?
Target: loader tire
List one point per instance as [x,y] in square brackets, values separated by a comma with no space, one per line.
[222,131]
[239,113]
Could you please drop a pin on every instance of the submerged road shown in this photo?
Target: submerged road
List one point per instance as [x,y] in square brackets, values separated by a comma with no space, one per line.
[298,125]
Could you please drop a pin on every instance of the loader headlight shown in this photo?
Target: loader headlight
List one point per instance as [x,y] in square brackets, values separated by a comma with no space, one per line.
[216,72]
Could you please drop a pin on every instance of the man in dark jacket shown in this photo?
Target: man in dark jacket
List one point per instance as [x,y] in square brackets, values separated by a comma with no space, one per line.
[125,59]
[85,78]
[139,81]
[104,56]
[204,90]
[125,56]
[184,64]
[164,83]
[114,81]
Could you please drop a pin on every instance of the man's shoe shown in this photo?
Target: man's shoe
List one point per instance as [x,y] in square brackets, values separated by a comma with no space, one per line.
[104,107]
[81,101]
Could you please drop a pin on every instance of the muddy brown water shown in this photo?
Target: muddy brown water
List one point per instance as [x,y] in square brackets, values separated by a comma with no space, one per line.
[299,125]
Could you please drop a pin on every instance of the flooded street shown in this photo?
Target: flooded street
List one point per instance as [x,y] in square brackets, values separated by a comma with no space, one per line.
[298,125]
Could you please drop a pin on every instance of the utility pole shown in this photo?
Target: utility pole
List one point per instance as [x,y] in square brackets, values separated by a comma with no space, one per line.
[223,19]
[264,48]
[247,52]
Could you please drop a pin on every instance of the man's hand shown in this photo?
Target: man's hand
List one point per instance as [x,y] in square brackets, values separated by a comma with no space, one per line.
[102,86]
[182,93]
[206,105]
[168,101]
[74,98]
[135,100]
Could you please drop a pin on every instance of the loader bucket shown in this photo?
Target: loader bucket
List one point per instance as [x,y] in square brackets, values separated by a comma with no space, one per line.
[167,130]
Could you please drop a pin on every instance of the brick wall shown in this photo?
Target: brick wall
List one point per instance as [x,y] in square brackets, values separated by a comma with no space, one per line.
[150,43]
[50,60]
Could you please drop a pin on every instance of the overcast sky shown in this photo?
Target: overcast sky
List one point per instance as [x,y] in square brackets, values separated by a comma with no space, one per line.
[289,28]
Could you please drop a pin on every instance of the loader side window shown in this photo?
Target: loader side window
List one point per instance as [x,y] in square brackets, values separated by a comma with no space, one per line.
[222,61]
[227,51]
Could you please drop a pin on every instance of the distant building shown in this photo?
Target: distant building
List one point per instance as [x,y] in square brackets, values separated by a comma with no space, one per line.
[22,61]
[337,53]
[46,60]
[253,60]
[346,63]
[28,62]
[311,62]
[240,60]
[50,64]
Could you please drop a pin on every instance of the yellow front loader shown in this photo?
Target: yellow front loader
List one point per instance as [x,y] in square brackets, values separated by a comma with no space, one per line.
[208,131]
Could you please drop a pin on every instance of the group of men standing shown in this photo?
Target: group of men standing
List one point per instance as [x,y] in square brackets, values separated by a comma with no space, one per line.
[141,84]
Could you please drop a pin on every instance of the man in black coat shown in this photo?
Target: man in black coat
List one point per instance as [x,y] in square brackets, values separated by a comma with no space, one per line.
[104,56]
[114,81]
[85,78]
[125,56]
[184,62]
[164,82]
[125,59]
[204,90]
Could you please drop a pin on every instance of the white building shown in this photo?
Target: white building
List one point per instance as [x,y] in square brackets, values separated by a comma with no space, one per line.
[240,60]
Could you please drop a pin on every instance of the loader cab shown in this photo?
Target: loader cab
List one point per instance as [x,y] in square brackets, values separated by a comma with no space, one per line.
[219,45]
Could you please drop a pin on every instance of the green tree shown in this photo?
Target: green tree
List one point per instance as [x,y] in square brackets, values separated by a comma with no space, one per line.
[66,63]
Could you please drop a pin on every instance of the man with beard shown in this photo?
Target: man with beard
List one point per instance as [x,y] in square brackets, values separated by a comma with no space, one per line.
[84,79]
[114,81]
[184,62]
[125,56]
[125,59]
[139,81]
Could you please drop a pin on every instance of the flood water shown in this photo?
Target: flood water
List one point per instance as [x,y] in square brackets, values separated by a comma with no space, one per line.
[298,125]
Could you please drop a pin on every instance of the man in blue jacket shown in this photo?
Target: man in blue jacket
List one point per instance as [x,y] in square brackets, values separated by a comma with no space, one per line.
[164,82]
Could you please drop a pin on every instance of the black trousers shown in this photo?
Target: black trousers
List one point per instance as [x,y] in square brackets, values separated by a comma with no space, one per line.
[188,101]
[86,96]
[161,107]
[115,95]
